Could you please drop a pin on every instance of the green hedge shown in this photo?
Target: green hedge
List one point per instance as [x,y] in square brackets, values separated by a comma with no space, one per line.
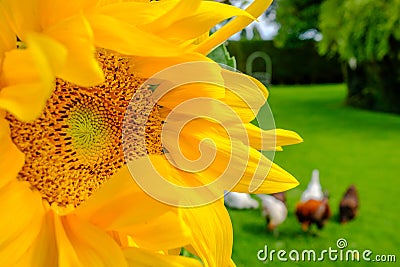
[301,65]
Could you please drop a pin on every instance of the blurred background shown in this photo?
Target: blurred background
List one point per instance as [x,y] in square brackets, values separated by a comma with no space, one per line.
[333,71]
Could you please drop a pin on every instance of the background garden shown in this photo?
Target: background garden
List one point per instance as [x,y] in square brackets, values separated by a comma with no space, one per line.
[335,81]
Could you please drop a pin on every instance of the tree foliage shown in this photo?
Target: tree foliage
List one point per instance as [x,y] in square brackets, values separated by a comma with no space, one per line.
[368,33]
[296,18]
[360,29]
[365,33]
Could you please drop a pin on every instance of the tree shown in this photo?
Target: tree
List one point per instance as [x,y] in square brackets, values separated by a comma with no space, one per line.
[366,34]
[298,21]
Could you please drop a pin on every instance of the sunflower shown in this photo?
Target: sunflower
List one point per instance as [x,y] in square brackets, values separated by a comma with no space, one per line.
[67,194]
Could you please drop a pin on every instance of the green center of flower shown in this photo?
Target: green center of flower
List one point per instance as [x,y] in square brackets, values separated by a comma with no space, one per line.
[76,145]
[88,131]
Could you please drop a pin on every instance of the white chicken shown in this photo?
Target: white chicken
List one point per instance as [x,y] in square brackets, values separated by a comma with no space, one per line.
[240,201]
[314,189]
[274,210]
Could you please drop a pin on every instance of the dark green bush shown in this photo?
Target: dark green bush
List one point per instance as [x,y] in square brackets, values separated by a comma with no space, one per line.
[301,65]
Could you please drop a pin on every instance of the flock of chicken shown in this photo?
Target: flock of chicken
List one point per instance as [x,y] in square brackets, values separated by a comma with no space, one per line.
[313,207]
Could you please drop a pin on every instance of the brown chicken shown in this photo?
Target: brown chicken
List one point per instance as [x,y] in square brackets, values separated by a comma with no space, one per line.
[313,211]
[348,207]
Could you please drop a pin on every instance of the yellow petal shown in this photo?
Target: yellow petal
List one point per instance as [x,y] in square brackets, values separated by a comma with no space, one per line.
[159,178]
[120,203]
[212,233]
[164,232]
[146,67]
[81,66]
[46,50]
[21,221]
[189,92]
[81,244]
[28,76]
[141,257]
[122,37]
[255,9]
[235,163]
[23,16]
[178,10]
[145,11]
[11,159]
[23,101]
[43,250]
[258,173]
[245,95]
[277,180]
[191,26]
[242,101]
[57,10]
[189,81]
[269,139]
[7,36]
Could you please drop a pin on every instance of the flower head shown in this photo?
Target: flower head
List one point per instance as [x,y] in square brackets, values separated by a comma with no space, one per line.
[69,73]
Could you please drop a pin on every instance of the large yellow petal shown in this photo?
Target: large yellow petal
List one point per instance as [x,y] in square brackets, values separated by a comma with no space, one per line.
[11,159]
[127,39]
[21,221]
[241,102]
[190,26]
[121,206]
[177,10]
[56,10]
[7,36]
[140,257]
[169,185]
[43,250]
[81,244]
[251,171]
[23,101]
[187,92]
[28,76]
[120,203]
[245,95]
[146,67]
[164,232]
[233,161]
[255,9]
[212,233]
[23,16]
[81,66]
[144,12]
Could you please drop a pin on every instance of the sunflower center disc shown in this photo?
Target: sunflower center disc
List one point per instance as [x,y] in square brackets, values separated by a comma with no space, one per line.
[76,144]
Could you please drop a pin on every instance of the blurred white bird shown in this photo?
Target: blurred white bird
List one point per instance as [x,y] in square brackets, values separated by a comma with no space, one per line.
[236,200]
[274,210]
[314,189]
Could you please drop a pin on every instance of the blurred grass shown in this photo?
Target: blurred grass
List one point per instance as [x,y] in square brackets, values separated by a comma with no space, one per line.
[347,146]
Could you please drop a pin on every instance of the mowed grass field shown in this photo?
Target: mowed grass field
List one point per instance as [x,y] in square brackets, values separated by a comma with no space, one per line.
[347,146]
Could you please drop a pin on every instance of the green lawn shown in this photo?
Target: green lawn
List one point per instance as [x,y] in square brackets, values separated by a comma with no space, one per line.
[347,146]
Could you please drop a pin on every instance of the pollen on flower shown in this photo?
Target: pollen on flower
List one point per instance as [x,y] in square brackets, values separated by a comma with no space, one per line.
[76,145]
